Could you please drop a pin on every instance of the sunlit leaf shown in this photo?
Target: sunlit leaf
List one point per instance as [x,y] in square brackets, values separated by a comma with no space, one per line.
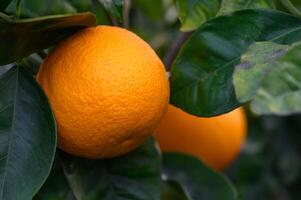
[255,64]
[201,75]
[277,85]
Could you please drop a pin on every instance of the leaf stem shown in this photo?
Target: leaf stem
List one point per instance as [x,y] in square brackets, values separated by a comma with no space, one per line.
[18,9]
[113,20]
[169,58]
[291,8]
[126,13]
[17,16]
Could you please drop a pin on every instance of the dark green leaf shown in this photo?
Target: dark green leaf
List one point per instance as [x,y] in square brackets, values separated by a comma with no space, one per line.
[197,180]
[56,186]
[172,190]
[36,8]
[135,176]
[24,37]
[80,5]
[193,13]
[153,9]
[27,135]
[4,4]
[229,6]
[291,7]
[114,7]
[33,62]
[201,75]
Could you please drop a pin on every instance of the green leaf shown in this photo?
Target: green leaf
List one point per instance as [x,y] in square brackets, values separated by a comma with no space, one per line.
[21,38]
[36,8]
[27,135]
[193,13]
[135,176]
[289,6]
[4,4]
[33,62]
[153,9]
[229,6]
[201,75]
[173,190]
[114,7]
[259,59]
[280,91]
[198,181]
[56,187]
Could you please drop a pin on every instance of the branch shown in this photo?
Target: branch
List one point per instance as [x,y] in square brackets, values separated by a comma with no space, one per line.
[169,58]
[126,13]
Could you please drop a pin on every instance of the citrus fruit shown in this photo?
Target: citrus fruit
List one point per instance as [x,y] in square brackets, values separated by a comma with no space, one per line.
[108,90]
[215,140]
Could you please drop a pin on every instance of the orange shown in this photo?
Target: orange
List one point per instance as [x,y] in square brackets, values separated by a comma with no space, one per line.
[215,140]
[108,90]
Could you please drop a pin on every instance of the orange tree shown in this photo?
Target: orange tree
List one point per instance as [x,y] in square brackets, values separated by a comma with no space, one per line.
[99,92]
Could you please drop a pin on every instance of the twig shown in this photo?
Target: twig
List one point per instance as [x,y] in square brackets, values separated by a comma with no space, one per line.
[126,13]
[175,49]
[113,20]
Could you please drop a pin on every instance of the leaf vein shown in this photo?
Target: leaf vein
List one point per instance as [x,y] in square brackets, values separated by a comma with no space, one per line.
[11,131]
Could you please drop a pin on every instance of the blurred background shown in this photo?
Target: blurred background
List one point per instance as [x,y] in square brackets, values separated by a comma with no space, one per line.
[269,166]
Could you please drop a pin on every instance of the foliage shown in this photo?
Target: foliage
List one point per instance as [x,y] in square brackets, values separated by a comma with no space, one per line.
[28,137]
[237,54]
[206,62]
[228,6]
[261,65]
[197,180]
[192,13]
[128,177]
[41,33]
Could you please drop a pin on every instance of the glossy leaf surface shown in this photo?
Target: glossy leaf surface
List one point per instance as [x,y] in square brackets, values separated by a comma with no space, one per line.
[197,180]
[134,176]
[27,135]
[21,38]
[201,75]
[192,13]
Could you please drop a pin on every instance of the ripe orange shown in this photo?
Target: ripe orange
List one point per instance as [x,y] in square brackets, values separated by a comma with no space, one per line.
[215,140]
[108,90]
